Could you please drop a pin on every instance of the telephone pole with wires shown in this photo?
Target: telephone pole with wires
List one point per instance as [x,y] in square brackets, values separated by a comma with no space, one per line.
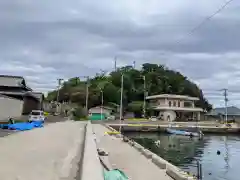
[59,86]
[225,94]
[134,64]
[115,64]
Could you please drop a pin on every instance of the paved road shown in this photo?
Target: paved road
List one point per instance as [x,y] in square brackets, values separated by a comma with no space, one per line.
[46,153]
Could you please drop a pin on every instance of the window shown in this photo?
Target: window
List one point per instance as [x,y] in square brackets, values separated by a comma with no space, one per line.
[174,103]
[179,104]
[187,104]
[36,113]
[170,103]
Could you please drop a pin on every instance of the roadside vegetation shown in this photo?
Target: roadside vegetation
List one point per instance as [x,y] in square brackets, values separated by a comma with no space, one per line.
[159,79]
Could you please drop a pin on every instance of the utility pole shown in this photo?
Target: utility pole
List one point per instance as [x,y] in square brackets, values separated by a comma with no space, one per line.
[87,91]
[59,85]
[115,63]
[225,94]
[144,96]
[121,104]
[134,64]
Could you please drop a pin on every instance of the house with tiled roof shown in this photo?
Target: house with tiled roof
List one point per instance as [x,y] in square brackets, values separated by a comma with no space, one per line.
[16,98]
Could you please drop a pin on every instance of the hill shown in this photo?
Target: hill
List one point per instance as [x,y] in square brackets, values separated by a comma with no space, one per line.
[232,110]
[159,79]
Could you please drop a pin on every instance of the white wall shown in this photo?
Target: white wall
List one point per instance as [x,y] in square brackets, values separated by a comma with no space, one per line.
[10,107]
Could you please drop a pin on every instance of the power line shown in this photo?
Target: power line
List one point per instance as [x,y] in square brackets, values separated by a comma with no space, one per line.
[207,19]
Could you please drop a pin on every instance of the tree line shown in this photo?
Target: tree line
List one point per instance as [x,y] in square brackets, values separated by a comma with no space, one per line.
[158,80]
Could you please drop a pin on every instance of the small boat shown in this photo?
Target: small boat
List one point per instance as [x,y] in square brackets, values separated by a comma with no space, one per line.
[183,133]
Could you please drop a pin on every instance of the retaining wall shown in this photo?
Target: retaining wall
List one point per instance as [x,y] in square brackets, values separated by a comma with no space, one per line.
[162,128]
[91,165]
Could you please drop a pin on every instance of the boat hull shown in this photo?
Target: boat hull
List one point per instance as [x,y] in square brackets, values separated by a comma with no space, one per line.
[182,133]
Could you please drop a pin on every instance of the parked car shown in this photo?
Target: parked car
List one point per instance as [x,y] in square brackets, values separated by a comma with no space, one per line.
[153,118]
[36,115]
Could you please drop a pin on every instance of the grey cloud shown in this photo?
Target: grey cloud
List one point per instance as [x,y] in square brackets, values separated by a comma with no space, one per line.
[45,40]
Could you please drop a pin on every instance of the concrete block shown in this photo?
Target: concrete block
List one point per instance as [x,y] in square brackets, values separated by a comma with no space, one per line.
[119,135]
[177,174]
[125,139]
[131,143]
[158,161]
[148,154]
[138,147]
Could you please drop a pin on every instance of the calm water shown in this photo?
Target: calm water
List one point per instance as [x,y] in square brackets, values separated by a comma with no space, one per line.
[184,152]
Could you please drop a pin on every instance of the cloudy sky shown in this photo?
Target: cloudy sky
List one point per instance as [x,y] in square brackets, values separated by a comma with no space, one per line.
[45,40]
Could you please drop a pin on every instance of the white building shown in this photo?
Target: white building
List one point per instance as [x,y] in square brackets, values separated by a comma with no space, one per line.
[171,107]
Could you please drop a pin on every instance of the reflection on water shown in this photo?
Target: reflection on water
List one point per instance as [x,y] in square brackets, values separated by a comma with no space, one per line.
[184,153]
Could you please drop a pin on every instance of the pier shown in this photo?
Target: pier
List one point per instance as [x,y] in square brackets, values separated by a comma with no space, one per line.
[70,150]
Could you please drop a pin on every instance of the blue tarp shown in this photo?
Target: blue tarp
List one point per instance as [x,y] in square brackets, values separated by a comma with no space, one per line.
[23,126]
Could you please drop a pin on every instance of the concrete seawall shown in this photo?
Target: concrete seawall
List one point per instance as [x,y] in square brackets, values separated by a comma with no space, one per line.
[91,166]
[162,128]
[171,170]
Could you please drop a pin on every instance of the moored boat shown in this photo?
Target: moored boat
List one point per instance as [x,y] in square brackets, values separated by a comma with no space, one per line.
[183,133]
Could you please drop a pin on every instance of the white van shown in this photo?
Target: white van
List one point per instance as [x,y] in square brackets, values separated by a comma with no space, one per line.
[36,115]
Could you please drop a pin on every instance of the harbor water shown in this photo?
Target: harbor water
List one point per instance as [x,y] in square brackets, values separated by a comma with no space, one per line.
[219,155]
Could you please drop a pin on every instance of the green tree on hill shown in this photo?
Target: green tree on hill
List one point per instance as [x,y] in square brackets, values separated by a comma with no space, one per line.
[159,80]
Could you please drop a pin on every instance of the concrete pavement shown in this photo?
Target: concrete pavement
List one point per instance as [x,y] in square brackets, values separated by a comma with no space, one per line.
[47,153]
[125,157]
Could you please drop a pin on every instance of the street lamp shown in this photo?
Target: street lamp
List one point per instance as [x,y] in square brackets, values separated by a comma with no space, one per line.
[121,104]
[101,104]
[144,100]
[87,90]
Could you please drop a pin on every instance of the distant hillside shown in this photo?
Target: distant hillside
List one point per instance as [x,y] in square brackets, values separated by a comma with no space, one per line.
[159,80]
[232,110]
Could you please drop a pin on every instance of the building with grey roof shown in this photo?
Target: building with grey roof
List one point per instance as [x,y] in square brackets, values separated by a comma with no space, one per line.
[16,98]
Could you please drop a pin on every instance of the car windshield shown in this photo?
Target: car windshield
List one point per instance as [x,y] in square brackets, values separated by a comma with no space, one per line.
[36,113]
